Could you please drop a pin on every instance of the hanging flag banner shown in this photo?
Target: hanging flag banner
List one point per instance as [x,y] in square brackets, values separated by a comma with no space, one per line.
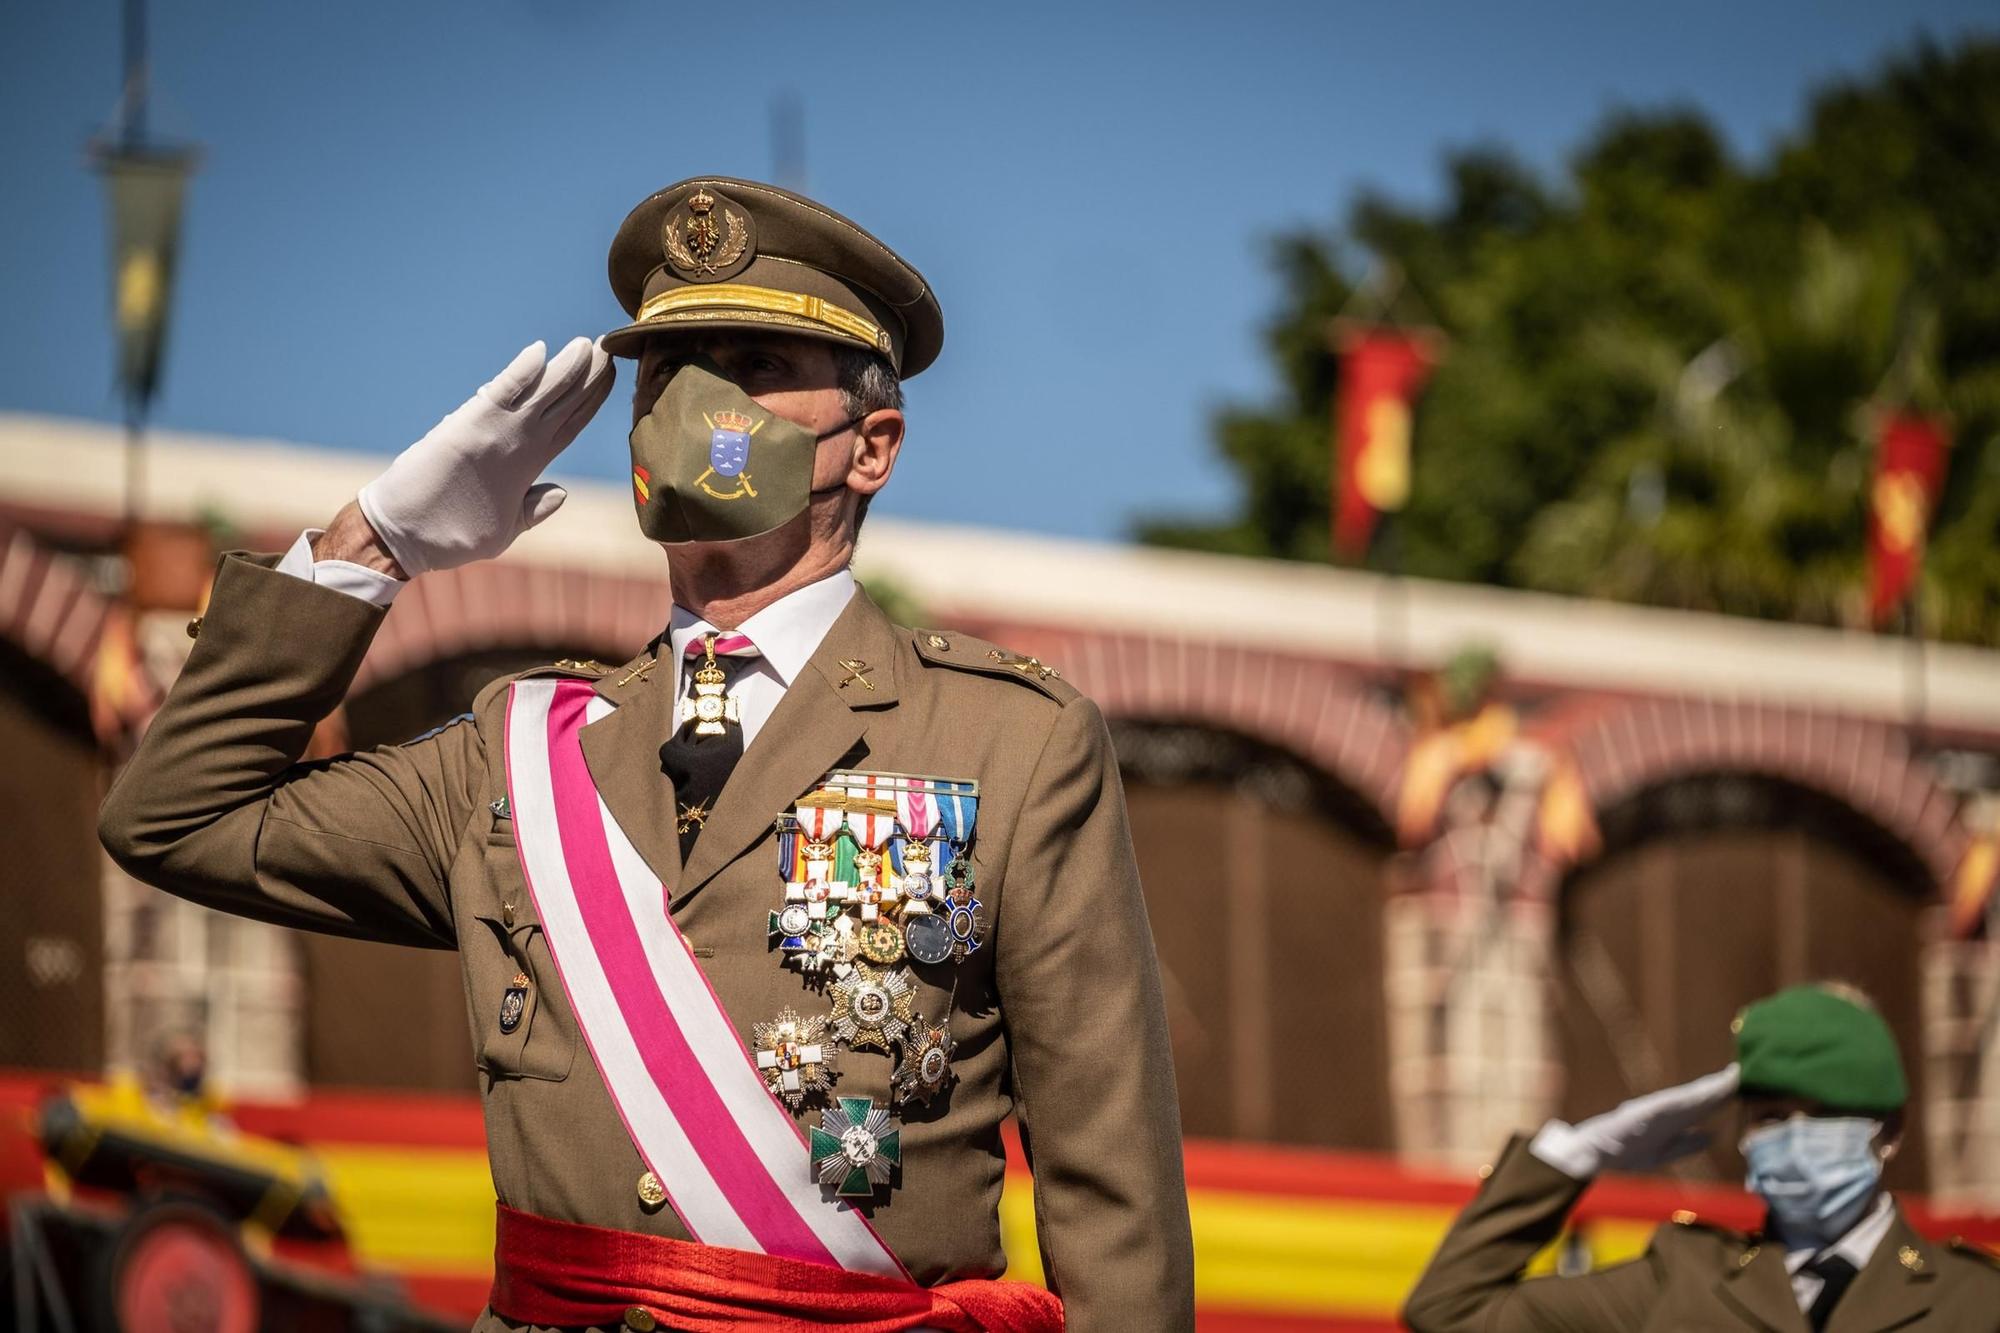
[145,188]
[1909,473]
[1381,371]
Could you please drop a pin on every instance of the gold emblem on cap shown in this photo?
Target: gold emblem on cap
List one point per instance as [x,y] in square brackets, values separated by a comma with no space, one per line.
[701,245]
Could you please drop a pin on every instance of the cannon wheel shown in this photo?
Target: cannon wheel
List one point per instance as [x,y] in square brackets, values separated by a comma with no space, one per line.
[178,1268]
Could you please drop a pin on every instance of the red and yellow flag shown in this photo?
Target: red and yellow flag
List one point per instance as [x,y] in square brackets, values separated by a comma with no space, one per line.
[1381,370]
[1909,473]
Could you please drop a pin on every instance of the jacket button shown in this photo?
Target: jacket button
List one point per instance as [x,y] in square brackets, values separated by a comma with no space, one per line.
[651,1192]
[194,628]
[640,1320]
[939,642]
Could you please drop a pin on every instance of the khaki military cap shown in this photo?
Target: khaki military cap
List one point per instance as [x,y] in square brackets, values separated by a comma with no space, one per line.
[713,252]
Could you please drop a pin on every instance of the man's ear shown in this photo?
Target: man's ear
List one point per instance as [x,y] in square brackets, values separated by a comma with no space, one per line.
[1889,1139]
[878,440]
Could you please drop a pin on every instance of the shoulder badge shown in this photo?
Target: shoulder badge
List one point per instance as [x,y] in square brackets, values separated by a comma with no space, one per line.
[966,653]
[564,666]
[1686,1223]
[1978,1253]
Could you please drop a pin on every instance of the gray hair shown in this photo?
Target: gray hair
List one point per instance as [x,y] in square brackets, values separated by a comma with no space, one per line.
[868,383]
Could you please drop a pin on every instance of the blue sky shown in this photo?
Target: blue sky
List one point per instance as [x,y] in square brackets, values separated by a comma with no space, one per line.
[395,198]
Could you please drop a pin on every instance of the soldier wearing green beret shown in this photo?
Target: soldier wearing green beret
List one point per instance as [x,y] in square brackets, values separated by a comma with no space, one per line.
[1819,1093]
[767,930]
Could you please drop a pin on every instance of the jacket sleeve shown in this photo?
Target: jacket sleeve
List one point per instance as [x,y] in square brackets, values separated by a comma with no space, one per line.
[1094,1082]
[216,807]
[1474,1281]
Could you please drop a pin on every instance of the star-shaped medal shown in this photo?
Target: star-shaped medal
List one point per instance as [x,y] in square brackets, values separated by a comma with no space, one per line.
[873,1008]
[926,1064]
[855,1147]
[794,1056]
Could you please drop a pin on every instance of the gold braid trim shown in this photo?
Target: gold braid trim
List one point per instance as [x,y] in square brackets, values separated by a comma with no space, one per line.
[764,305]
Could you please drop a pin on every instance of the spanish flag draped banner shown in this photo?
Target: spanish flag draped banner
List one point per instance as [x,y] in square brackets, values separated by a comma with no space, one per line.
[1909,472]
[1381,371]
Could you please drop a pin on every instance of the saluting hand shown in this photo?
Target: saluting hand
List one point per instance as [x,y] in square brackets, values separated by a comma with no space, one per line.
[466,490]
[1642,1134]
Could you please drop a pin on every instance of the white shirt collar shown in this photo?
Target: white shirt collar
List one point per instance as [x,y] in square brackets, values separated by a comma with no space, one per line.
[1858,1245]
[787,632]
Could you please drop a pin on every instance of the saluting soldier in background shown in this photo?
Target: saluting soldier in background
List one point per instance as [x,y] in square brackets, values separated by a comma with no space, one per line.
[765,930]
[1820,1092]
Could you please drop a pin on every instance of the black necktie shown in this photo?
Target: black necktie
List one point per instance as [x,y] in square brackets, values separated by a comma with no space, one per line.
[1837,1275]
[699,765]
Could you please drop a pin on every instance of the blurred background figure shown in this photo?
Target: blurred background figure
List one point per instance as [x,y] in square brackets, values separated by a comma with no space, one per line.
[1522,490]
[1819,1092]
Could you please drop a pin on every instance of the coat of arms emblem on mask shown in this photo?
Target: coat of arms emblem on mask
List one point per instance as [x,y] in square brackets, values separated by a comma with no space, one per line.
[729,453]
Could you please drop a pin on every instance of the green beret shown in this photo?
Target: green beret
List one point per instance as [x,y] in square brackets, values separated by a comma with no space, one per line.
[1814,1043]
[713,252]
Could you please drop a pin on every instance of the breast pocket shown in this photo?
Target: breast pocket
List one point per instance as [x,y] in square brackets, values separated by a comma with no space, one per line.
[520,1029]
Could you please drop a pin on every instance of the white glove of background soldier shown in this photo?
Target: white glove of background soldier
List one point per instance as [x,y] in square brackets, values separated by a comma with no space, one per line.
[466,490]
[1642,1134]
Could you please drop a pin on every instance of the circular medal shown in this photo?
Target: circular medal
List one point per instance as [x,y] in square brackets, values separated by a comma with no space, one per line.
[926,1064]
[795,919]
[928,938]
[869,1004]
[930,1069]
[880,943]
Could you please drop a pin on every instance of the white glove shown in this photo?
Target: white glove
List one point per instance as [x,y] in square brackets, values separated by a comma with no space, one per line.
[466,490]
[1639,1135]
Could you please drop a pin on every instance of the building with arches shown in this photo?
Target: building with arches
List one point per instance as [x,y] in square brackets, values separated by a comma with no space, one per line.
[1426,863]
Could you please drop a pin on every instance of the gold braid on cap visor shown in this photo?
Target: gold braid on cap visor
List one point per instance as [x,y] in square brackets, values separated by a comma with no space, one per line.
[764,305]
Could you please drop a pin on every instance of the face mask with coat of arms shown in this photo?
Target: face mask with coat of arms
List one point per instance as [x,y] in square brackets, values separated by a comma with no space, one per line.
[710,465]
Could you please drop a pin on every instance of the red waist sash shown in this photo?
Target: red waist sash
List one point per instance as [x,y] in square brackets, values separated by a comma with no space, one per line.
[565,1273]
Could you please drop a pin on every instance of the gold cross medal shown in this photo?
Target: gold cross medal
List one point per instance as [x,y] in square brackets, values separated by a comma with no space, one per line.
[711,709]
[794,1056]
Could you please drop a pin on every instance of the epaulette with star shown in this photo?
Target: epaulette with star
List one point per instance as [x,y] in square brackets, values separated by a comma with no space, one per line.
[964,652]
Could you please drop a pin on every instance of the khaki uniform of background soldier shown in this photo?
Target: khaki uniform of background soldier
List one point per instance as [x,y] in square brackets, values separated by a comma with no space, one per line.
[1821,1092]
[1056,1018]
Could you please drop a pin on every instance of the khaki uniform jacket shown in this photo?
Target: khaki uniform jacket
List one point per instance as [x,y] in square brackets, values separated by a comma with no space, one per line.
[1692,1277]
[1058,1019]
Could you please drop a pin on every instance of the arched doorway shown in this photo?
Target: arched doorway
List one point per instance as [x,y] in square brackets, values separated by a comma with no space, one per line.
[52,991]
[1713,889]
[1263,880]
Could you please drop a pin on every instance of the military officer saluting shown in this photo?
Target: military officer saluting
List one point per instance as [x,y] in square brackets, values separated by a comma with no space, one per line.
[765,930]
[1820,1092]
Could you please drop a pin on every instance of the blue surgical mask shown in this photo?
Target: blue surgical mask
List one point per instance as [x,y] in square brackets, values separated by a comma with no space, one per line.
[1817,1173]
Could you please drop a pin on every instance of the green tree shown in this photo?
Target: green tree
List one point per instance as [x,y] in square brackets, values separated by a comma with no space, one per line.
[1661,364]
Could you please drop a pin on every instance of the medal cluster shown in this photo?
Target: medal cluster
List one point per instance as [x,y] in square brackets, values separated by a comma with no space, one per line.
[877,872]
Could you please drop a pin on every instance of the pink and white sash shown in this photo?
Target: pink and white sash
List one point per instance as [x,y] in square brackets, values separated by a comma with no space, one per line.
[733,1162]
